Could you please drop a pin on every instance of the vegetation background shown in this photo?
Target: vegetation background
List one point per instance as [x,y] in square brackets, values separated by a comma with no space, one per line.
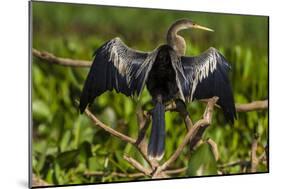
[66,145]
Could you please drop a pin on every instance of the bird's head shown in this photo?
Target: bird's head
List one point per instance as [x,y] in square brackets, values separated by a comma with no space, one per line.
[177,42]
[187,24]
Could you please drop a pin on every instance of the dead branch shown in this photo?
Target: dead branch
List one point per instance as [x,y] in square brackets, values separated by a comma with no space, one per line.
[104,174]
[36,181]
[201,123]
[248,107]
[108,129]
[176,171]
[252,106]
[214,148]
[156,170]
[140,143]
[137,165]
[50,58]
[242,163]
[254,159]
[131,175]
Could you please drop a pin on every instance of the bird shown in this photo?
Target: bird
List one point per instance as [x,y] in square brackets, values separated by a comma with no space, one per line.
[168,74]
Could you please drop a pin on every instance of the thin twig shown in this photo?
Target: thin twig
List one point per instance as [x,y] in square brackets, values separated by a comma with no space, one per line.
[109,129]
[242,163]
[137,165]
[254,159]
[50,58]
[247,107]
[214,148]
[131,175]
[113,174]
[176,171]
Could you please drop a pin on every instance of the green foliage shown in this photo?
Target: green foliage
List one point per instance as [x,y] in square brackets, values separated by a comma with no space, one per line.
[66,144]
[202,162]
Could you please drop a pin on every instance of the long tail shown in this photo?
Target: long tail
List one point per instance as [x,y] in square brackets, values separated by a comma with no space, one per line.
[156,144]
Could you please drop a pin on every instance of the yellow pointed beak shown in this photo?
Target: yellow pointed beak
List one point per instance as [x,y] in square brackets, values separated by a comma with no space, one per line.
[202,28]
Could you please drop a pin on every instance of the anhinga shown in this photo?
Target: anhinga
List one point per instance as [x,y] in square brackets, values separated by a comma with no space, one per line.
[167,74]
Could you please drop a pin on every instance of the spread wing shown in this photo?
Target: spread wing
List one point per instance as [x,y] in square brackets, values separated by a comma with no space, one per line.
[118,67]
[206,76]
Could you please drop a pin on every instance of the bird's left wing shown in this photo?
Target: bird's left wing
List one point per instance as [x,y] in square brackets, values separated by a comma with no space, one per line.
[206,76]
[116,66]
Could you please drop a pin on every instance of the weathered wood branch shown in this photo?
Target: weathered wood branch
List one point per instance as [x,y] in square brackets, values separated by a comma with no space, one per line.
[252,106]
[108,129]
[254,158]
[50,58]
[131,175]
[137,165]
[207,117]
[36,181]
[247,107]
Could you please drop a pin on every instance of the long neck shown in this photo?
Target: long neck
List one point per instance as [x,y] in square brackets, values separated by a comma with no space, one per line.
[176,41]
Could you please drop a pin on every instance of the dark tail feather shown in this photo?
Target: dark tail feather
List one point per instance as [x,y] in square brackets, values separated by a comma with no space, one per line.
[156,144]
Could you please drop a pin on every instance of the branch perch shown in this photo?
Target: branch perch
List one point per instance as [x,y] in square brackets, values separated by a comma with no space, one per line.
[50,58]
[132,175]
[201,123]
[108,129]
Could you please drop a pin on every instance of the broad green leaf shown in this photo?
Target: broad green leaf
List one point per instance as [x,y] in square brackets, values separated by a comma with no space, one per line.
[202,162]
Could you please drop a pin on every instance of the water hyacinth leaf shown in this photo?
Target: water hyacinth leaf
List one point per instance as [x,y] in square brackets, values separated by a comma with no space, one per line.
[65,141]
[41,110]
[68,159]
[202,162]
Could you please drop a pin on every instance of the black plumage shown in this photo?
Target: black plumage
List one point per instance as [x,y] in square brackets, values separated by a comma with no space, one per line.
[167,74]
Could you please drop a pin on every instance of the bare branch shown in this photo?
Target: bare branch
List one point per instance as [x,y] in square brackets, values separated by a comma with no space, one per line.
[176,171]
[140,144]
[131,175]
[36,181]
[214,148]
[50,58]
[201,123]
[252,106]
[254,159]
[235,163]
[137,165]
[109,129]
[103,174]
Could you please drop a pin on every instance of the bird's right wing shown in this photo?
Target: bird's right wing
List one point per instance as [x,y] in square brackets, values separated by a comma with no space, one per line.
[118,67]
